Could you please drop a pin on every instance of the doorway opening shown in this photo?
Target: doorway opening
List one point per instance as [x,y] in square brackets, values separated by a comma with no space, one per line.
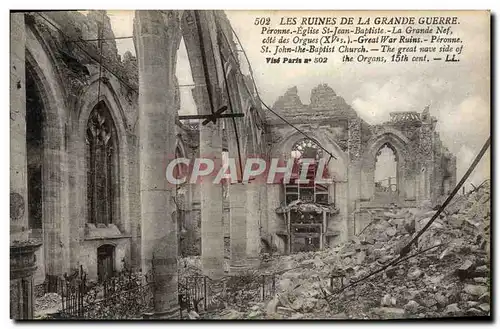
[105,262]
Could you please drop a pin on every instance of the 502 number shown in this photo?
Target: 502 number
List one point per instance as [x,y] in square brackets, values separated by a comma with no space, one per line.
[262,21]
[320,59]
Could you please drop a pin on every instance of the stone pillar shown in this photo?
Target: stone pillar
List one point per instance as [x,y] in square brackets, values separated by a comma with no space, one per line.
[426,162]
[341,203]
[157,38]
[22,268]
[253,224]
[212,229]
[22,250]
[18,161]
[354,171]
[238,218]
[55,223]
[205,77]
[264,219]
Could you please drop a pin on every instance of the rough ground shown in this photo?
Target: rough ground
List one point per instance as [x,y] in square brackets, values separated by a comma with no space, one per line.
[450,280]
[47,304]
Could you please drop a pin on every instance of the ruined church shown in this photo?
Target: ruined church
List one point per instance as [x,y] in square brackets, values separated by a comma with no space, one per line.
[92,132]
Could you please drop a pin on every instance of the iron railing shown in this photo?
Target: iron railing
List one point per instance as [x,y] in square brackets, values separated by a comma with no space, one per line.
[123,296]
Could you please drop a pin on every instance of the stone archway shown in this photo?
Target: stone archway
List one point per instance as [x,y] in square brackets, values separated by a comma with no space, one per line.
[49,157]
[387,178]
[404,183]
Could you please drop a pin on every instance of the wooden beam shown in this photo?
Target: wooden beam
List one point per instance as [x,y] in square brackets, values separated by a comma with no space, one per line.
[207,116]
[214,116]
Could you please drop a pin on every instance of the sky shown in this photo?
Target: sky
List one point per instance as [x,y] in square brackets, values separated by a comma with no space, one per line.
[458,94]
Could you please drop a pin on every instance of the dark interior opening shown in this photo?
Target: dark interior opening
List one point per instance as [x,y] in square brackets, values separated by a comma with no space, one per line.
[34,150]
[105,262]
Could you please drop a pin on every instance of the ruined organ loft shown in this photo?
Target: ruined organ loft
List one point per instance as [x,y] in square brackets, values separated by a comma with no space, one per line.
[88,165]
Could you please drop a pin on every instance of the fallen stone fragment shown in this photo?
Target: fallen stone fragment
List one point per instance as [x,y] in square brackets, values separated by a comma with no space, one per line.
[361,258]
[254,314]
[272,305]
[473,312]
[309,304]
[232,315]
[475,290]
[410,294]
[389,312]
[429,302]
[391,231]
[466,266]
[441,299]
[445,253]
[285,311]
[286,284]
[481,280]
[349,293]
[297,316]
[482,270]
[471,303]
[318,262]
[411,307]
[485,298]
[192,315]
[436,279]
[391,272]
[386,300]
[415,274]
[255,307]
[452,309]
[339,316]
[298,304]
[466,270]
[485,307]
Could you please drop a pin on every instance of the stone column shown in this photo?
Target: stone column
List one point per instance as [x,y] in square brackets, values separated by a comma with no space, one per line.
[212,229]
[205,77]
[341,203]
[22,250]
[238,226]
[55,213]
[354,172]
[253,224]
[18,161]
[157,38]
[426,162]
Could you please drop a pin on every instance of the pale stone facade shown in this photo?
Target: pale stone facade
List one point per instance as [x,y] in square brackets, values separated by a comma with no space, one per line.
[426,170]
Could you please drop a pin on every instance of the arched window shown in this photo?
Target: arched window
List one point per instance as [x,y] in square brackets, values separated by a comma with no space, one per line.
[386,170]
[310,191]
[101,166]
[306,148]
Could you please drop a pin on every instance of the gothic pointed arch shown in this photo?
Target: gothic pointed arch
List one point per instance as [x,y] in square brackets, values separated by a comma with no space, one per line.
[102,166]
[401,185]
[49,182]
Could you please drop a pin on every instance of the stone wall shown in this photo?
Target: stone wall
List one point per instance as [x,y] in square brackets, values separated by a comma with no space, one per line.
[67,75]
[425,168]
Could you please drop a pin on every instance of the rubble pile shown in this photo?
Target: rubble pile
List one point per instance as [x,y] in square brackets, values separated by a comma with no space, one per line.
[448,276]
[47,304]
